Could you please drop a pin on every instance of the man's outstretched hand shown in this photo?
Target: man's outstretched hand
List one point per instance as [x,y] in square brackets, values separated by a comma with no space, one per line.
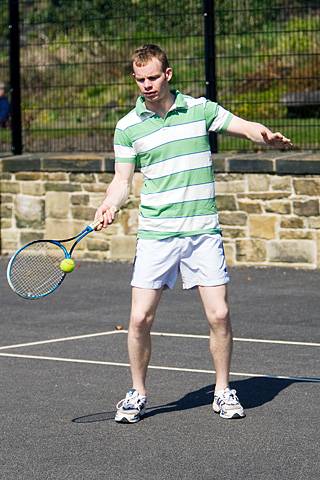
[276,140]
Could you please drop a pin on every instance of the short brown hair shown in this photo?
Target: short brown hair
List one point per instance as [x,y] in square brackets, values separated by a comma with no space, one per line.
[144,54]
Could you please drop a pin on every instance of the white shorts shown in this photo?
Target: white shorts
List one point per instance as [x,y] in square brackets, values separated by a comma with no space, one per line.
[200,260]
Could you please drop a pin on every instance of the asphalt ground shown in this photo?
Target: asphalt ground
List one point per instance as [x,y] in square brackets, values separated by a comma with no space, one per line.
[58,398]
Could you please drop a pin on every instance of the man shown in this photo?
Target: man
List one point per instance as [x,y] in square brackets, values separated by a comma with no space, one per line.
[166,135]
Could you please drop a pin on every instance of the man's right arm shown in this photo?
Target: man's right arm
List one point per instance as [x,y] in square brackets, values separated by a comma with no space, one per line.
[117,194]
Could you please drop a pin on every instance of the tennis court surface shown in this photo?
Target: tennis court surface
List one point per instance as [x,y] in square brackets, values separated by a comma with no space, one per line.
[64,367]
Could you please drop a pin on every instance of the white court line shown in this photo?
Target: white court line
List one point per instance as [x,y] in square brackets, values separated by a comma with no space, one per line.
[158,367]
[53,340]
[161,334]
[236,339]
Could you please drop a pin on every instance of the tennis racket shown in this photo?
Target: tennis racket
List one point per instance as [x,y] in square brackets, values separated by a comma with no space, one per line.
[34,270]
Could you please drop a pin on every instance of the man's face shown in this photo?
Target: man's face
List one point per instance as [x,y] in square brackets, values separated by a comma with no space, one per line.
[2,91]
[152,81]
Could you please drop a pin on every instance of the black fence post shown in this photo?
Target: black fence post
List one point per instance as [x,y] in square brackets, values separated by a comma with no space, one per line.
[210,60]
[15,87]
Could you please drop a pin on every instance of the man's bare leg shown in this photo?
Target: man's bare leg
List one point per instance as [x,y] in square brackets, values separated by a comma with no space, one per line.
[143,309]
[215,305]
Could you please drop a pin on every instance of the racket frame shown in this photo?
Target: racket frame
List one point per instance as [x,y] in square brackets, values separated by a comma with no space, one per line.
[58,243]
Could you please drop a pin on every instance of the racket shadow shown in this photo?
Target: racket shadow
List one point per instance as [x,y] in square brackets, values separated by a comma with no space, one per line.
[253,392]
[95,417]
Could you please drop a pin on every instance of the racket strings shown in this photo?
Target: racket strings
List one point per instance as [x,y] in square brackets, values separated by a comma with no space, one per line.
[35,271]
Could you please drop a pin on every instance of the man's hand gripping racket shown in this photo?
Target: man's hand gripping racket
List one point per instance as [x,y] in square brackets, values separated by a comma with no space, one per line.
[38,268]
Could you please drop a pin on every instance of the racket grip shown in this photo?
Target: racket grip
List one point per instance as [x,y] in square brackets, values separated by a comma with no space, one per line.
[94,224]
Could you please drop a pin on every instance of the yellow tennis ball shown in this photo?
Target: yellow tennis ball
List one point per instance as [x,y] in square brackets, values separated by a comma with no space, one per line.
[67,265]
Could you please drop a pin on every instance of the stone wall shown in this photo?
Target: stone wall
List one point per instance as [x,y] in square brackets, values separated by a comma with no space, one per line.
[268,204]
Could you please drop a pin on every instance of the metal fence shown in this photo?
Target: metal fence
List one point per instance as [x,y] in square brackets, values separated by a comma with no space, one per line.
[67,69]
[268,57]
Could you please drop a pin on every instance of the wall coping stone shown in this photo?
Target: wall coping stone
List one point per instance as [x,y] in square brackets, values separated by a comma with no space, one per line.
[269,161]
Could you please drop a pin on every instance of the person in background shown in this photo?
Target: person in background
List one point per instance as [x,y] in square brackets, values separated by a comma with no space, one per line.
[4,107]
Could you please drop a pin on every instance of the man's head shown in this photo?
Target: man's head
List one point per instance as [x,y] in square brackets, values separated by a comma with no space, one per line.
[152,72]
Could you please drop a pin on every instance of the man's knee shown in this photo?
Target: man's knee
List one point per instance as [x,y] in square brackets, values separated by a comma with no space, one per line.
[141,320]
[219,317]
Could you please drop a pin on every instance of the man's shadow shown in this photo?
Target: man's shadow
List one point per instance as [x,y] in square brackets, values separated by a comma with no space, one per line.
[253,392]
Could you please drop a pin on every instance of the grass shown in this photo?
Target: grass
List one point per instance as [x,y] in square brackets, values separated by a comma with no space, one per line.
[304,133]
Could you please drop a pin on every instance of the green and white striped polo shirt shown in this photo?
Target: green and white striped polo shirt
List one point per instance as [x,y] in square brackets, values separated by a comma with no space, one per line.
[173,153]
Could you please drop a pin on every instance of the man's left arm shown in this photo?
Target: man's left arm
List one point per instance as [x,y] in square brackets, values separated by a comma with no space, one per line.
[257,133]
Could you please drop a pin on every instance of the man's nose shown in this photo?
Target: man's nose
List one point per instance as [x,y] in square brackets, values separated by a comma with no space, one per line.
[147,84]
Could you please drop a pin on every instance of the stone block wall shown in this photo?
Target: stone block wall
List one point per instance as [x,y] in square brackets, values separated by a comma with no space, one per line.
[268,204]
[58,205]
[269,219]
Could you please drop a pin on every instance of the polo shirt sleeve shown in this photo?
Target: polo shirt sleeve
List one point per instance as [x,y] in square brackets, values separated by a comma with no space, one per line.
[123,149]
[217,117]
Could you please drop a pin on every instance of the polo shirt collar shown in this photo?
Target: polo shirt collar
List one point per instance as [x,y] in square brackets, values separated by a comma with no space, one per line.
[179,104]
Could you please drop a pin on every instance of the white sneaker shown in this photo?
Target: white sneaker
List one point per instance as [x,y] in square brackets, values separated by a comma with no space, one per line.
[131,408]
[227,404]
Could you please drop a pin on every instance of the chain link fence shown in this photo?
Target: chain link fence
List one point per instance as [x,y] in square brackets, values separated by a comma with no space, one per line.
[75,78]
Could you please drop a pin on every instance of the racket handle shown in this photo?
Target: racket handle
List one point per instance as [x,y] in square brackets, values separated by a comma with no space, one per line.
[94,224]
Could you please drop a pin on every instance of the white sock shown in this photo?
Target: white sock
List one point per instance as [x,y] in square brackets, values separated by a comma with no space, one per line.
[220,392]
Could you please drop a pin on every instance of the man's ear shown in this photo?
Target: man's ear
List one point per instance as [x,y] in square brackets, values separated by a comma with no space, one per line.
[168,73]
